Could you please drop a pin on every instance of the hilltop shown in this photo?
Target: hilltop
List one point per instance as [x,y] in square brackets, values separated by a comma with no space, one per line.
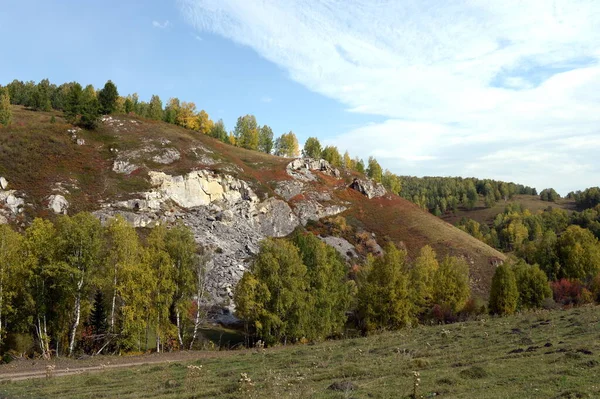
[151,171]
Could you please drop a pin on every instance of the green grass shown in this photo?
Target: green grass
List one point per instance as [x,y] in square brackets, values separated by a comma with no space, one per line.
[544,354]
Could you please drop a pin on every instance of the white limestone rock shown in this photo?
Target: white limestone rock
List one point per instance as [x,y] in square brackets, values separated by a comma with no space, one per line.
[58,204]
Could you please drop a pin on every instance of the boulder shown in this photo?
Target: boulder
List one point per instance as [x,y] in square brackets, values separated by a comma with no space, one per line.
[368,187]
[58,204]
[301,168]
[124,167]
[342,246]
[3,183]
[12,202]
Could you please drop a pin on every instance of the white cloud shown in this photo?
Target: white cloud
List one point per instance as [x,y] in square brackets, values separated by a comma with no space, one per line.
[161,25]
[198,38]
[498,89]
[266,99]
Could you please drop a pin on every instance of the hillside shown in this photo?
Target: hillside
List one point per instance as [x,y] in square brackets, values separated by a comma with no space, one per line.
[542,354]
[485,215]
[151,171]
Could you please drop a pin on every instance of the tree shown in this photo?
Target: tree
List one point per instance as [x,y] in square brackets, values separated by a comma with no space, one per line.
[532,285]
[43,278]
[348,163]
[246,132]
[360,165]
[422,278]
[451,284]
[504,294]
[374,170]
[391,182]
[155,108]
[163,291]
[287,145]
[265,139]
[272,295]
[129,105]
[89,109]
[11,247]
[549,194]
[79,242]
[186,116]
[73,102]
[383,295]
[578,253]
[312,148]
[107,97]
[205,124]
[181,247]
[328,291]
[172,111]
[219,132]
[5,109]
[332,155]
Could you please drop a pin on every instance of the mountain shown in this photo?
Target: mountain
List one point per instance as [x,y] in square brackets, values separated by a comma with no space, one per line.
[232,198]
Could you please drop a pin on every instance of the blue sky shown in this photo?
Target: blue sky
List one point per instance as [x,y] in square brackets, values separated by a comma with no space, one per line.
[507,90]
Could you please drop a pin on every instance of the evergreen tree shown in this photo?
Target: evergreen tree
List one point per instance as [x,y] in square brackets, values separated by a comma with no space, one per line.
[504,294]
[73,102]
[5,109]
[107,98]
[265,139]
[172,111]
[90,108]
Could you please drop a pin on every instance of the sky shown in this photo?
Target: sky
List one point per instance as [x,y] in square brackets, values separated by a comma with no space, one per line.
[508,90]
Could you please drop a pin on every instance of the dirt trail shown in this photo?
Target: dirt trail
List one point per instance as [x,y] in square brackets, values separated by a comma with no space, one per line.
[29,369]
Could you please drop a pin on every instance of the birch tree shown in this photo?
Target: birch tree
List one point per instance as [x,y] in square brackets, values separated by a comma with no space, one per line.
[10,261]
[80,243]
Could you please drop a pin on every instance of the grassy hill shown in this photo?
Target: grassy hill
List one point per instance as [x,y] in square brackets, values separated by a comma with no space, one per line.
[39,157]
[543,354]
[484,215]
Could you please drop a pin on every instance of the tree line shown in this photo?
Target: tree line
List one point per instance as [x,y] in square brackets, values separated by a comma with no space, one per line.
[74,286]
[564,246]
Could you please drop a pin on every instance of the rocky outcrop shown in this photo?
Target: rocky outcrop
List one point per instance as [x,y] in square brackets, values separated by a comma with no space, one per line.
[3,183]
[301,168]
[123,166]
[167,156]
[313,210]
[58,204]
[368,187]
[344,248]
[13,202]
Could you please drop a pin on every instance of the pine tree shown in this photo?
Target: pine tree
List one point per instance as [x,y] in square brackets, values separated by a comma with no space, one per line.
[98,315]
[155,110]
[107,98]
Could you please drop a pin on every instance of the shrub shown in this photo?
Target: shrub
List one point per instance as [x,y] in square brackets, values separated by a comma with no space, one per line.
[567,292]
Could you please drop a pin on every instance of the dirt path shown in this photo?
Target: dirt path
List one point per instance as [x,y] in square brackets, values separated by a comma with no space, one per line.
[31,369]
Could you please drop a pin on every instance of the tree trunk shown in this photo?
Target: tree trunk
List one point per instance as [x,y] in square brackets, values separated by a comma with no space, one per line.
[77,316]
[114,301]
[179,337]
[1,297]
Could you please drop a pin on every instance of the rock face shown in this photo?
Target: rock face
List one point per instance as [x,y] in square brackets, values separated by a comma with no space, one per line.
[3,183]
[123,166]
[369,188]
[341,245]
[58,204]
[301,168]
[169,155]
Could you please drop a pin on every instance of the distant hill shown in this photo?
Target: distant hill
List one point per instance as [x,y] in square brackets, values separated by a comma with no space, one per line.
[151,171]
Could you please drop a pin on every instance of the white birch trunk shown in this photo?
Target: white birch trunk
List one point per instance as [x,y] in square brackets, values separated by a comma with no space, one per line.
[77,316]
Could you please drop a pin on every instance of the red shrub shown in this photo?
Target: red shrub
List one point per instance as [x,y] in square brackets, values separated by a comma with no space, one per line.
[567,292]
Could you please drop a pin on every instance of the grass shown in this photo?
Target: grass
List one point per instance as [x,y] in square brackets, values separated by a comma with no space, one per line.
[531,355]
[485,215]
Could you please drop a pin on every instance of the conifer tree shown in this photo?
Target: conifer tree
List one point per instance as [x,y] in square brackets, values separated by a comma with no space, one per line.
[107,98]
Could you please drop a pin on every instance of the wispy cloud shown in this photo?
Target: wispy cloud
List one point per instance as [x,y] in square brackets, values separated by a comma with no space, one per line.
[161,25]
[198,38]
[266,99]
[491,89]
